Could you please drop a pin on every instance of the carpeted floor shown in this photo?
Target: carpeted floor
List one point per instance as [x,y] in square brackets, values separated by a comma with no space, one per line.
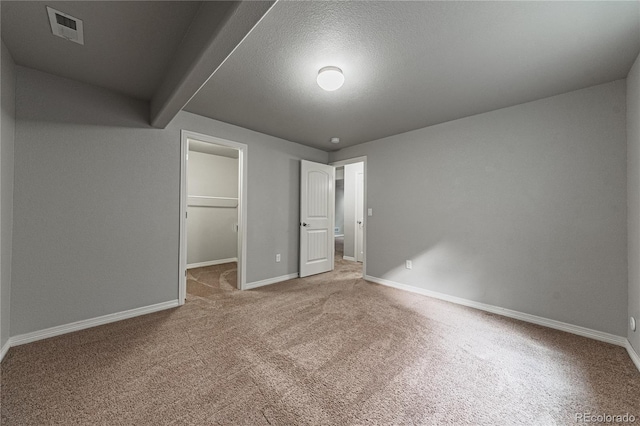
[331,349]
[339,246]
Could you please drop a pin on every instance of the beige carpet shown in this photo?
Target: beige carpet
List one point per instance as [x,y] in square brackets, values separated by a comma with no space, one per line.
[339,245]
[327,350]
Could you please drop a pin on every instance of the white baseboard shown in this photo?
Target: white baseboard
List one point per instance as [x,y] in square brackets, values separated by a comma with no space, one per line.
[88,323]
[558,325]
[633,354]
[268,281]
[338,235]
[5,349]
[349,258]
[211,263]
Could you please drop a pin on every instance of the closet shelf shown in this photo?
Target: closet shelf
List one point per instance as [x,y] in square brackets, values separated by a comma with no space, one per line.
[206,201]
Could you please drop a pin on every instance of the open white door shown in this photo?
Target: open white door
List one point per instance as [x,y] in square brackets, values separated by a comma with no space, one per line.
[317,219]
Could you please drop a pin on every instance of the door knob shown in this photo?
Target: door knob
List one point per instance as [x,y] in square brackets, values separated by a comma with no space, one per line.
[305,224]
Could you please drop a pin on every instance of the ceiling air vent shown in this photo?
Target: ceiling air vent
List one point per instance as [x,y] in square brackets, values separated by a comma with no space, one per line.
[65,26]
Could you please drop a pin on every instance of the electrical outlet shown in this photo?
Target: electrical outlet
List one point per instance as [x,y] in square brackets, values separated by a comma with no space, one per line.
[278,257]
[408,264]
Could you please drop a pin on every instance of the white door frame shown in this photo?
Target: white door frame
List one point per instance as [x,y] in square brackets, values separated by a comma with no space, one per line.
[185,135]
[358,245]
[363,160]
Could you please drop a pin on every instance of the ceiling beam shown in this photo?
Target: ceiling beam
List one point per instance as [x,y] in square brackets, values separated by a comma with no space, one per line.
[214,34]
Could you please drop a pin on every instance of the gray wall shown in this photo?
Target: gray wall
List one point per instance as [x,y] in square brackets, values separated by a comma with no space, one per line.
[523,207]
[97,202]
[7,131]
[633,194]
[211,234]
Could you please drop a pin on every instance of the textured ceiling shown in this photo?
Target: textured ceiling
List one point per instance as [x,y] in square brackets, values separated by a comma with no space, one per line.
[128,45]
[412,64]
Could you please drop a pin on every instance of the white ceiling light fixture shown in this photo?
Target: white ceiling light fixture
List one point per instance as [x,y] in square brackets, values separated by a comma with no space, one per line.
[335,140]
[330,78]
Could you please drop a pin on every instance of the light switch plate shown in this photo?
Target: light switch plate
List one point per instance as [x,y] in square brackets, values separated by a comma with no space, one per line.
[370,212]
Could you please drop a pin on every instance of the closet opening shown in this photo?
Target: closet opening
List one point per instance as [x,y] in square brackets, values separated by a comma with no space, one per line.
[213,219]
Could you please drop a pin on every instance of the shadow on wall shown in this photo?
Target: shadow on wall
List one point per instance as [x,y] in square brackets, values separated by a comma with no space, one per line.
[524,283]
[443,267]
[45,98]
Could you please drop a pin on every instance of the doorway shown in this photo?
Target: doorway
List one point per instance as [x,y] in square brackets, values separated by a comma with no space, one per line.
[212,204]
[350,191]
[339,204]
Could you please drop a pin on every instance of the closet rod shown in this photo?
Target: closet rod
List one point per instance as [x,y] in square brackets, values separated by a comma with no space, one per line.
[212,198]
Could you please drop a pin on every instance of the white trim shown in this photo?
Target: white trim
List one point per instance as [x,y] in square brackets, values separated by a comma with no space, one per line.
[88,323]
[268,281]
[243,162]
[243,206]
[182,249]
[349,258]
[211,263]
[633,354]
[558,325]
[5,349]
[340,163]
[338,235]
